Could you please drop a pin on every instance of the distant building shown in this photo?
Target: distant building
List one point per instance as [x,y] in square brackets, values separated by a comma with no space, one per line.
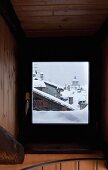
[46,86]
[39,84]
[53,89]
[41,76]
[75,83]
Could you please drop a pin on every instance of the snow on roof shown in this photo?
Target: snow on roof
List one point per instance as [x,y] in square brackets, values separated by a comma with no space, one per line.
[50,97]
[66,94]
[85,87]
[54,84]
[41,73]
[38,83]
[82,98]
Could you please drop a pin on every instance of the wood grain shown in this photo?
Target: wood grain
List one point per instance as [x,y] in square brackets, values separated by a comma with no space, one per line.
[85,16]
[69,165]
[60,12]
[57,2]
[7,79]
[89,165]
[94,7]
[31,159]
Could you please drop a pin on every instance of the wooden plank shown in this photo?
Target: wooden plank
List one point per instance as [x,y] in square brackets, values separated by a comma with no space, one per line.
[50,167]
[35,13]
[62,7]
[59,33]
[89,165]
[9,44]
[37,168]
[53,2]
[1,69]
[101,165]
[31,159]
[56,19]
[69,165]
[11,85]
[58,165]
[7,79]
[92,165]
[64,12]
[11,119]
[80,12]
[60,26]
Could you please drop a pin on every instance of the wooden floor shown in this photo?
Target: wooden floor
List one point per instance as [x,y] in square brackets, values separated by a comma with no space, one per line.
[31,159]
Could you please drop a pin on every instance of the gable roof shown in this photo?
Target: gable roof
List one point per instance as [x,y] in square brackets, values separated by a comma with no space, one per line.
[52,98]
[54,85]
[38,83]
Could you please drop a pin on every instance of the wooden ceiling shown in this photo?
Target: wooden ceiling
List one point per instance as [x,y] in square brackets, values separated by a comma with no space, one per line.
[61,17]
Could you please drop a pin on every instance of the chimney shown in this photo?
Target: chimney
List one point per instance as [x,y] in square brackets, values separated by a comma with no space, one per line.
[70,100]
[41,76]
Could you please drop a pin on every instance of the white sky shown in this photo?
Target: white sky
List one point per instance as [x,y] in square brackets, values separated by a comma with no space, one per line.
[63,72]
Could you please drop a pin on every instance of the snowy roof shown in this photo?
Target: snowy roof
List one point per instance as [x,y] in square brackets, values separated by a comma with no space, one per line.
[66,94]
[85,87]
[82,98]
[54,84]
[41,73]
[50,83]
[38,83]
[50,97]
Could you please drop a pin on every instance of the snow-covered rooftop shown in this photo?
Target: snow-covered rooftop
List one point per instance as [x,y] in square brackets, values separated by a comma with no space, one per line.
[50,97]
[82,98]
[54,84]
[41,73]
[38,83]
[66,94]
[50,83]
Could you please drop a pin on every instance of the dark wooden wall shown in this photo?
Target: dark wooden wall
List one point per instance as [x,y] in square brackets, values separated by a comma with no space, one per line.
[105,90]
[8,113]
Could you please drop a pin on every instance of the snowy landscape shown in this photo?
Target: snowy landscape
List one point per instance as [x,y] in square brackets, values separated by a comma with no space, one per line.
[60,92]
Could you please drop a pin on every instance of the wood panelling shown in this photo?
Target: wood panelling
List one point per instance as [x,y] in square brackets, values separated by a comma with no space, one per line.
[69,20]
[91,165]
[57,2]
[55,7]
[69,165]
[39,16]
[7,79]
[50,167]
[38,158]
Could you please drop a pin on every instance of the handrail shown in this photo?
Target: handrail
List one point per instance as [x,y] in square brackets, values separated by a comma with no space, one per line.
[65,160]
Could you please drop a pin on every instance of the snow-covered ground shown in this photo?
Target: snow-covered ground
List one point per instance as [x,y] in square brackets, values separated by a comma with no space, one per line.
[67,117]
